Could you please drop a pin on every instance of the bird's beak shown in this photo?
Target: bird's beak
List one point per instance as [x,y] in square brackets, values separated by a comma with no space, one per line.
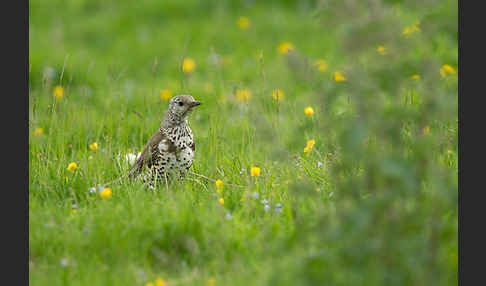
[195,103]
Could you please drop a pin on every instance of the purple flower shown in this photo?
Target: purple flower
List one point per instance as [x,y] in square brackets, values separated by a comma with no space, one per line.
[255,195]
[319,164]
[228,216]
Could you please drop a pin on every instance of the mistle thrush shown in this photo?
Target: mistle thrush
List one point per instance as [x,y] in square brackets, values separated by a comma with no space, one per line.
[170,151]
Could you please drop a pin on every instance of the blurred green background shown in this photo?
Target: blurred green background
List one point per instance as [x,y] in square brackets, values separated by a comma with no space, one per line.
[372,202]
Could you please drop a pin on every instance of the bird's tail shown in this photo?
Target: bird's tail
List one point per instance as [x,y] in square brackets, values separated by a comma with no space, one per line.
[132,173]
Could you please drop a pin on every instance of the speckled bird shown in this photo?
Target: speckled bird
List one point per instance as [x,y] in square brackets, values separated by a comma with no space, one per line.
[170,151]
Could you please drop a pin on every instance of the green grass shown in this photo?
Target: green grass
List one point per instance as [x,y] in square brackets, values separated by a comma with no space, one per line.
[382,210]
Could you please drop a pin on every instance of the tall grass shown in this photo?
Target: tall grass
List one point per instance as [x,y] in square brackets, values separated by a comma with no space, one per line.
[374,202]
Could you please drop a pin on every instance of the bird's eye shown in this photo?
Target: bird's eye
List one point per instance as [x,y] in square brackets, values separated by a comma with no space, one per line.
[181,103]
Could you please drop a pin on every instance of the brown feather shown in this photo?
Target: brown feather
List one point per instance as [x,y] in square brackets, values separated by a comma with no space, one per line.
[145,158]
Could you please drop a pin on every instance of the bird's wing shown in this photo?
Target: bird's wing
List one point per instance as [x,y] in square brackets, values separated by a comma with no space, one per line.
[146,156]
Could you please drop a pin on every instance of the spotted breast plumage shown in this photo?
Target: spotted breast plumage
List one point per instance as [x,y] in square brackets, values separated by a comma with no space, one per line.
[170,151]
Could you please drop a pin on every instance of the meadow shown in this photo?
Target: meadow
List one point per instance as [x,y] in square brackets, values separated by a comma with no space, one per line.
[326,144]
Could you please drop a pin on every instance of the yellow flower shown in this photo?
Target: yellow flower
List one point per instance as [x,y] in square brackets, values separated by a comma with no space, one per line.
[318,190]
[338,77]
[219,183]
[72,166]
[58,92]
[188,65]
[243,23]
[149,284]
[381,50]
[165,94]
[321,65]
[426,130]
[211,282]
[411,29]
[93,146]
[311,143]
[285,47]
[159,282]
[255,171]
[67,180]
[106,193]
[74,211]
[277,94]
[221,201]
[243,95]
[447,69]
[309,111]
[38,131]
[416,77]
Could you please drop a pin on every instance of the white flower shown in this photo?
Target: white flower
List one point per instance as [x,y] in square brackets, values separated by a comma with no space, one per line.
[141,273]
[131,157]
[64,262]
[49,72]
[266,208]
[92,190]
[228,216]
[331,194]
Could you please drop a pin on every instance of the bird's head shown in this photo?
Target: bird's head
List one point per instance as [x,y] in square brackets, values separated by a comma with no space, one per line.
[181,105]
